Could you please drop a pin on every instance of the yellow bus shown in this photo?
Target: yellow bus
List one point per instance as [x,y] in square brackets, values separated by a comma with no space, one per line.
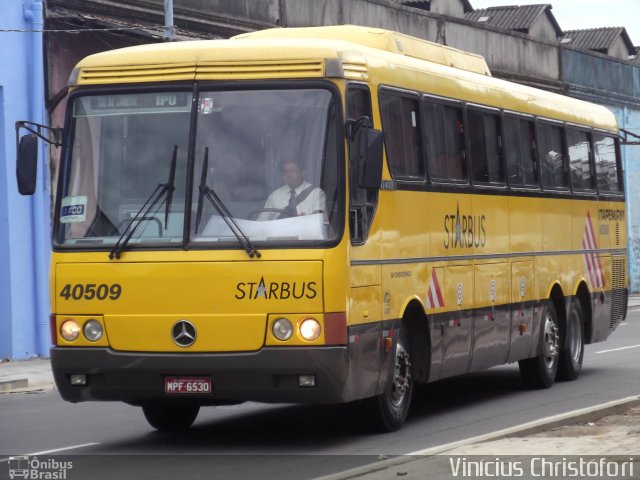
[323,215]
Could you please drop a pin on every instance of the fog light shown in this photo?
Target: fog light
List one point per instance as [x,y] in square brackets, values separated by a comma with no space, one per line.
[92,330]
[78,380]
[69,330]
[307,381]
[282,329]
[310,329]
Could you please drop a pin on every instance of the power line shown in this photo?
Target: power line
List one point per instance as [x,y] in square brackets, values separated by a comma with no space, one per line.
[79,30]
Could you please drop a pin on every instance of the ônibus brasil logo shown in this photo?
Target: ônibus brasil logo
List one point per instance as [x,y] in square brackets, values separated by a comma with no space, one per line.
[38,469]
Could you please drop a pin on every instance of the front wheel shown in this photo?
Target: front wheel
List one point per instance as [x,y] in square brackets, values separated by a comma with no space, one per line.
[170,417]
[572,355]
[388,411]
[540,371]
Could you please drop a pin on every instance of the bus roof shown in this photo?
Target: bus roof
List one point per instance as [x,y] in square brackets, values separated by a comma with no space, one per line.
[358,53]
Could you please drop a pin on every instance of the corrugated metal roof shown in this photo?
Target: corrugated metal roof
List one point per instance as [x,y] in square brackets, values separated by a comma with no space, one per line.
[598,39]
[514,17]
[426,4]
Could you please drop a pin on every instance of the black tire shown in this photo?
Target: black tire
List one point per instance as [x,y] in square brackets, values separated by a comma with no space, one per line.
[388,411]
[571,357]
[169,418]
[540,372]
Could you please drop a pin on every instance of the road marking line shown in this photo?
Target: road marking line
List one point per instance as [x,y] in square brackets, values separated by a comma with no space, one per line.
[618,349]
[45,452]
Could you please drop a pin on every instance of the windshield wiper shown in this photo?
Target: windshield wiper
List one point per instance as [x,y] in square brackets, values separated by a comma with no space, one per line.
[142,214]
[210,194]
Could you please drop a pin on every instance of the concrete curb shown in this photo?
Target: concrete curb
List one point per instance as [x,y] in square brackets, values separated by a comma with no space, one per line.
[10,386]
[588,414]
[24,376]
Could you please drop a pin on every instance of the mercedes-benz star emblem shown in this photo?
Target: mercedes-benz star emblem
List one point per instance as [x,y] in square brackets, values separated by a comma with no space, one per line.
[183,333]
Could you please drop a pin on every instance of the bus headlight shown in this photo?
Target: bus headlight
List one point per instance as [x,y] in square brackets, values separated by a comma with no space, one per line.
[310,329]
[69,330]
[92,330]
[282,329]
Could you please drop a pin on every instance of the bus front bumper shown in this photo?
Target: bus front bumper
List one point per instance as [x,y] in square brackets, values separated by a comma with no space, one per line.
[268,375]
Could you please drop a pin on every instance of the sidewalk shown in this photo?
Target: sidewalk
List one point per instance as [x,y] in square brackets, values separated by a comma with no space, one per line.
[26,376]
[610,433]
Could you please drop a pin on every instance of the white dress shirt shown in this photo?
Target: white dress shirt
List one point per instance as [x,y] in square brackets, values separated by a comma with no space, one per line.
[315,202]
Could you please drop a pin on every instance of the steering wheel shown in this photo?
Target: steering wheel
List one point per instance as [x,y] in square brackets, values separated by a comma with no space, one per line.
[282,212]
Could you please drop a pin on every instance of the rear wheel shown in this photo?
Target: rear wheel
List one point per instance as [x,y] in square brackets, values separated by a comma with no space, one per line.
[388,411]
[571,357]
[170,417]
[540,371]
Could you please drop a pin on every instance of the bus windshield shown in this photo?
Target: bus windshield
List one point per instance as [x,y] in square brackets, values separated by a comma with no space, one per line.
[263,163]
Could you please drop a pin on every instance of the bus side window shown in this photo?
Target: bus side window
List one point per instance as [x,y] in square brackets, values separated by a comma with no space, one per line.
[606,164]
[362,202]
[445,142]
[520,151]
[483,131]
[400,122]
[580,168]
[552,169]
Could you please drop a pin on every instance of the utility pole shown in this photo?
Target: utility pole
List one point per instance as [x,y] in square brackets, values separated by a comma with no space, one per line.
[168,32]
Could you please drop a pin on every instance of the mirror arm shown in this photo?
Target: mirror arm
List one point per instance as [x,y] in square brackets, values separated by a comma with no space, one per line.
[40,131]
[351,127]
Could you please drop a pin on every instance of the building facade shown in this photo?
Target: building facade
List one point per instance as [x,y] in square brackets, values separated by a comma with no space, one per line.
[24,221]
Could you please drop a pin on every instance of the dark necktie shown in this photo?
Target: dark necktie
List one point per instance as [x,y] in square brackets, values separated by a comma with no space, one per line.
[291,207]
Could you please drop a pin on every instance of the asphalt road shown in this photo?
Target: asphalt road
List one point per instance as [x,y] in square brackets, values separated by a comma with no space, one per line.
[110,440]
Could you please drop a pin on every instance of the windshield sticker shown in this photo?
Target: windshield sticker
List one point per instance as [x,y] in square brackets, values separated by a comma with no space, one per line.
[73,209]
[208,106]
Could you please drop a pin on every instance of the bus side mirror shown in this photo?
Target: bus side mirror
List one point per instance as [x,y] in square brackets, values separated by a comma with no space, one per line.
[27,164]
[371,152]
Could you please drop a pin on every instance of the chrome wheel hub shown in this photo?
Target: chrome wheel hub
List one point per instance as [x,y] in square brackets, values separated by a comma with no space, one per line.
[575,338]
[551,339]
[401,376]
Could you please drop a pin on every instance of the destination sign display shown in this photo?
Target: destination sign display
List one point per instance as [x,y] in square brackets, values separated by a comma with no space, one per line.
[132,103]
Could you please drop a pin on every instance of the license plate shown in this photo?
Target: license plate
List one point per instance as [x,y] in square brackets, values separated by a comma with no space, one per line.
[187,385]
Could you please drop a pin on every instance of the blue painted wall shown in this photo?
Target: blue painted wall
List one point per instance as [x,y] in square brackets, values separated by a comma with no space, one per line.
[629,119]
[616,85]
[24,221]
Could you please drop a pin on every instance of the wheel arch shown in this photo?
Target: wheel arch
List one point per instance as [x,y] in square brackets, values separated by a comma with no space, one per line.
[557,298]
[583,295]
[415,319]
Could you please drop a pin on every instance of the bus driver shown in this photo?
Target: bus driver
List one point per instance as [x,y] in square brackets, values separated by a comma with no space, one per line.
[296,197]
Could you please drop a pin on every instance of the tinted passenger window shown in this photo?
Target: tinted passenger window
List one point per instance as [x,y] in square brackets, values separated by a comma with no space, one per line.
[551,150]
[445,141]
[579,149]
[484,147]
[400,116]
[520,151]
[606,165]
